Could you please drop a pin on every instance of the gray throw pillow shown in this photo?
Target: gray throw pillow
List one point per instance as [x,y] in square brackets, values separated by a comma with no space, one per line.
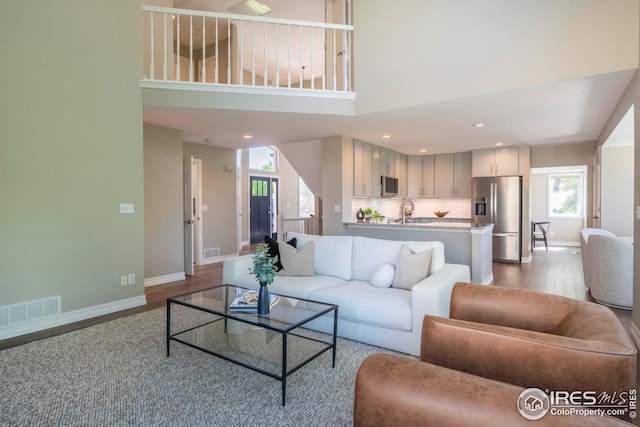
[296,262]
[412,267]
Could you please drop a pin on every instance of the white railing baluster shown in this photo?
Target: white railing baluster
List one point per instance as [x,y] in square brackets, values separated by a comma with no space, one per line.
[153,62]
[178,48]
[289,58]
[164,52]
[190,48]
[277,55]
[204,57]
[311,52]
[253,53]
[215,78]
[301,70]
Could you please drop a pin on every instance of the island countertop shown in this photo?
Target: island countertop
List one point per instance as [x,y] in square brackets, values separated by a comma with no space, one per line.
[464,243]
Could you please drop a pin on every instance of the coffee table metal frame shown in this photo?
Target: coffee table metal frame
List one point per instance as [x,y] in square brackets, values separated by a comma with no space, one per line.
[255,320]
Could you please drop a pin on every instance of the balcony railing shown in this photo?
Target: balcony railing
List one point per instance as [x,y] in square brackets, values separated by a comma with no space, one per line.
[210,48]
[304,225]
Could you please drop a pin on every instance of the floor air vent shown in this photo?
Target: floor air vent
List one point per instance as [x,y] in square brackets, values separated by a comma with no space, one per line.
[212,253]
[10,314]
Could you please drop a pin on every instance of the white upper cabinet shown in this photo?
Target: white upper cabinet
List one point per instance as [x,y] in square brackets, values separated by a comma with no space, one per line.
[362,169]
[375,174]
[414,176]
[496,162]
[428,176]
[401,172]
[452,175]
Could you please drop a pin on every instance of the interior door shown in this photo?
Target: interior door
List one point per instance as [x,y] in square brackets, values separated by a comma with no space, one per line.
[187,216]
[260,208]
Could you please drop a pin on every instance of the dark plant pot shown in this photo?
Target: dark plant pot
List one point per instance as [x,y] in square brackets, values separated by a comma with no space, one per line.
[263,299]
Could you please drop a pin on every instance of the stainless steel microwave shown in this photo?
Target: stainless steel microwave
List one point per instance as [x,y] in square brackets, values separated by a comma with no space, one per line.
[389,186]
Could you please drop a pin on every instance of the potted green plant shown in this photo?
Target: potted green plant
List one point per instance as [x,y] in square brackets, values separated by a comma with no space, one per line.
[264,268]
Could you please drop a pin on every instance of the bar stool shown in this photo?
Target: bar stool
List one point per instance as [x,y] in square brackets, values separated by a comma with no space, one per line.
[539,232]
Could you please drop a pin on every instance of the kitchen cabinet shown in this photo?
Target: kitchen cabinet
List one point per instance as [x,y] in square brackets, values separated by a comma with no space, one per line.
[401,171]
[428,176]
[414,176]
[387,162]
[452,175]
[496,162]
[376,186]
[362,169]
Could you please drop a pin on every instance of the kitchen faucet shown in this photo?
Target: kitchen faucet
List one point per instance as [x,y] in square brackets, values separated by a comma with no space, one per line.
[403,209]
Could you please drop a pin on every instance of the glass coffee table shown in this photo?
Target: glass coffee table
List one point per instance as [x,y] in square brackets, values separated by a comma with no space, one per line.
[276,344]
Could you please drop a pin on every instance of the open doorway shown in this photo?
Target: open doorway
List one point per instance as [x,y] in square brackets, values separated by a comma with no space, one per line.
[192,213]
[616,178]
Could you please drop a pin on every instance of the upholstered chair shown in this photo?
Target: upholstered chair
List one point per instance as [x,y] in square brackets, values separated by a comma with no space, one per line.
[609,270]
[584,251]
[394,390]
[531,339]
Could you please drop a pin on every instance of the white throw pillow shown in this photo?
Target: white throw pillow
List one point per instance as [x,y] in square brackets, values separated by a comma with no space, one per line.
[382,275]
[296,262]
[412,267]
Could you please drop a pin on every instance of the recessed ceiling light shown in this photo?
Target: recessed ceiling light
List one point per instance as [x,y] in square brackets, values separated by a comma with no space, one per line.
[247,136]
[499,143]
[386,136]
[479,125]
[423,150]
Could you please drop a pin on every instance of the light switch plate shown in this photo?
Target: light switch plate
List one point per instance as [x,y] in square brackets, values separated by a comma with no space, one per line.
[336,208]
[126,208]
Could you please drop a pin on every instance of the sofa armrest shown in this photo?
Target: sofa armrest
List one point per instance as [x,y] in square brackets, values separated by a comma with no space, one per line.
[234,267]
[394,391]
[527,358]
[433,294]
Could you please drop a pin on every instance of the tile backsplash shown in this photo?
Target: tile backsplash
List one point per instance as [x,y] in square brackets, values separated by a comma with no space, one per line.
[390,208]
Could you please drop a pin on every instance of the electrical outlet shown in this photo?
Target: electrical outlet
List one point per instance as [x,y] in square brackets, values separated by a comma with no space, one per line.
[127,208]
[131,279]
[123,280]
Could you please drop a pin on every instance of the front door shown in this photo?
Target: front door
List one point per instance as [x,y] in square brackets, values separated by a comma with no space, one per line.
[263,208]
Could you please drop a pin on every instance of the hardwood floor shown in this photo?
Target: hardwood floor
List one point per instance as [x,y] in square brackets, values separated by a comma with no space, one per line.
[558,271]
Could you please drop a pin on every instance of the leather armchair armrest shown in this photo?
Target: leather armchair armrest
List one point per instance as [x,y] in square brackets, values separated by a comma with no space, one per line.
[398,391]
[514,308]
[527,358]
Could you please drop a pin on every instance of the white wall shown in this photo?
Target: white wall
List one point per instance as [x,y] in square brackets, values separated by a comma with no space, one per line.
[617,168]
[471,47]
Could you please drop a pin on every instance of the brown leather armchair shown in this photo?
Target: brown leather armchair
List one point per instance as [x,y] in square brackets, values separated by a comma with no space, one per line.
[396,391]
[531,339]
[497,343]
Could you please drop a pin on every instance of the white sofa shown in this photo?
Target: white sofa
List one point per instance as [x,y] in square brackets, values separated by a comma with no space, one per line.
[386,317]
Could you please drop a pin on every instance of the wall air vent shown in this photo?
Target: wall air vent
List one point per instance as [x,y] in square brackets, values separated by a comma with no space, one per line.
[212,253]
[250,7]
[30,310]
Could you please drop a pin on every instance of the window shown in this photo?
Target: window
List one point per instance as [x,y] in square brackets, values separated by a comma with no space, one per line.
[565,195]
[263,159]
[307,205]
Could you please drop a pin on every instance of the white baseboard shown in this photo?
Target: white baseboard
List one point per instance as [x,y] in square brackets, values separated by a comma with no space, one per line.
[42,323]
[488,280]
[167,278]
[560,243]
[635,334]
[526,259]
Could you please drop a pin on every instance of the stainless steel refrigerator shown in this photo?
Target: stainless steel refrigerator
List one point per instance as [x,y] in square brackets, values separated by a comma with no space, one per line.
[498,200]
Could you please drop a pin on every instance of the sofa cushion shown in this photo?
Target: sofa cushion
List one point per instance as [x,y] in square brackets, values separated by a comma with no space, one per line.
[368,253]
[412,267]
[332,254]
[296,262]
[274,251]
[360,302]
[382,275]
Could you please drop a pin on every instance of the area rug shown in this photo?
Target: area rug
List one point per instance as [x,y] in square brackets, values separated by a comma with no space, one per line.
[117,373]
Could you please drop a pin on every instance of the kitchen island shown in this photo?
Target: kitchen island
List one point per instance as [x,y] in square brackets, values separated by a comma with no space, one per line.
[464,243]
